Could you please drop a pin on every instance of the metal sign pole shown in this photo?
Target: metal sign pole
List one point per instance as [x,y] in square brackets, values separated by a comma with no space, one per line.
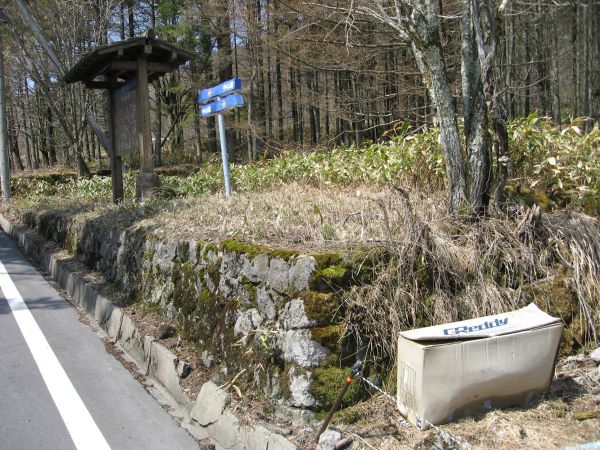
[222,97]
[224,157]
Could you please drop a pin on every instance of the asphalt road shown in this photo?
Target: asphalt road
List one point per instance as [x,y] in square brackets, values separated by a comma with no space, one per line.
[59,388]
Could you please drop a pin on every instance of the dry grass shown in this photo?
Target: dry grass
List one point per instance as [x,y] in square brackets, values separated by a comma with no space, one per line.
[445,269]
[295,215]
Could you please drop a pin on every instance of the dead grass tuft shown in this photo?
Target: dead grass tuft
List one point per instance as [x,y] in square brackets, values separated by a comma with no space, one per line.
[449,268]
[296,215]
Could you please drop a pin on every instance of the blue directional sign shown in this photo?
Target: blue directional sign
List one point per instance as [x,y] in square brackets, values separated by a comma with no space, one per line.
[228,87]
[224,96]
[229,102]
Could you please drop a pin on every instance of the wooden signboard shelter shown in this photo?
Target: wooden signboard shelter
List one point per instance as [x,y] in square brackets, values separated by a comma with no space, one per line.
[125,69]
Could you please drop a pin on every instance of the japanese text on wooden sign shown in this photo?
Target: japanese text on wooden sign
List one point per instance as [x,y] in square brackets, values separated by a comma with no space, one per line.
[125,118]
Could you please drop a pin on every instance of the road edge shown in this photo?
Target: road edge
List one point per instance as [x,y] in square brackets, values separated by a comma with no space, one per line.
[153,360]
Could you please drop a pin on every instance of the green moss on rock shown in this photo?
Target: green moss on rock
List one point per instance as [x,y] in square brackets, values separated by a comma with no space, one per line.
[183,250]
[320,306]
[70,244]
[252,250]
[184,292]
[284,254]
[250,288]
[327,384]
[204,296]
[213,269]
[334,272]
[329,336]
[326,259]
[527,197]
[558,298]
[232,245]
[364,263]
[350,415]
[330,278]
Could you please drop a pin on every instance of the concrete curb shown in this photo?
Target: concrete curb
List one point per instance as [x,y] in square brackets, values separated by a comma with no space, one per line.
[153,359]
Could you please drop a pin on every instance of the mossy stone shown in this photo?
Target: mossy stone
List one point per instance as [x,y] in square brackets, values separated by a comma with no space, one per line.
[559,299]
[184,280]
[330,278]
[284,254]
[71,242]
[349,415]
[204,296]
[232,245]
[527,197]
[252,250]
[183,250]
[326,259]
[364,263]
[213,269]
[334,272]
[328,381]
[555,297]
[250,288]
[320,306]
[329,336]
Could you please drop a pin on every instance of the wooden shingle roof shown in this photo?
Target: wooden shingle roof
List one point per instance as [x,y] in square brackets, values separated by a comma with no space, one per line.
[120,58]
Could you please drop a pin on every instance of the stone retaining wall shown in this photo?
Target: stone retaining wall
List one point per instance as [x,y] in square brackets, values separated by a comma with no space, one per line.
[272,312]
[207,418]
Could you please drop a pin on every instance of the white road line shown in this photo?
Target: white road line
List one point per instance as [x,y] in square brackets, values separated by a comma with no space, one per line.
[82,428]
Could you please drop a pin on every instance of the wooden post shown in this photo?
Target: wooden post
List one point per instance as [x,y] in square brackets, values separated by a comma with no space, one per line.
[116,165]
[147,181]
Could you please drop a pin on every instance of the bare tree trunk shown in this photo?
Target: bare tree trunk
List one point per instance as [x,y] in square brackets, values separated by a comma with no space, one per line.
[293,99]
[528,66]
[575,54]
[312,116]
[51,143]
[477,136]
[586,85]
[158,103]
[487,54]
[357,122]
[197,134]
[327,124]
[510,61]
[556,110]
[299,106]
[225,68]
[433,67]
[130,20]
[122,19]
[26,129]
[13,140]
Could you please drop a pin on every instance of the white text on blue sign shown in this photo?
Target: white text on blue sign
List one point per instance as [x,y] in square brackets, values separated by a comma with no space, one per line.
[224,104]
[228,87]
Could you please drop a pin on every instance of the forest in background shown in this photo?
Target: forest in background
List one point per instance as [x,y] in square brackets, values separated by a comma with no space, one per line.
[319,73]
[316,74]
